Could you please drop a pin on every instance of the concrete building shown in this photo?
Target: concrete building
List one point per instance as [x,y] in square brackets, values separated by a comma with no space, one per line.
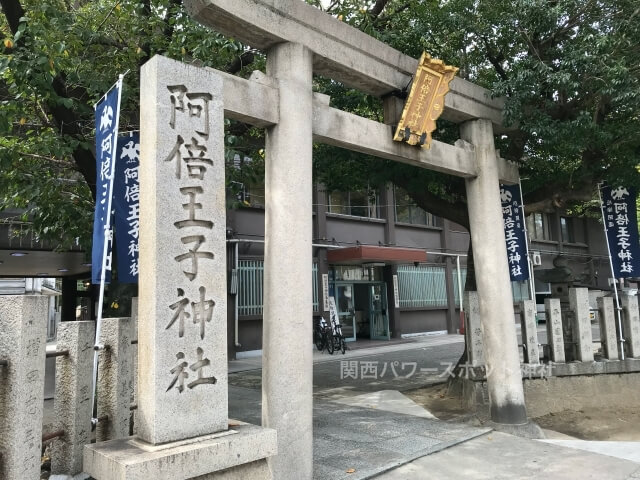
[366,245]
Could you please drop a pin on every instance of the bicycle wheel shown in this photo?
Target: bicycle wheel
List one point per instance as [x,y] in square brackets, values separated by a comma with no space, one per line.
[343,345]
[318,340]
[329,342]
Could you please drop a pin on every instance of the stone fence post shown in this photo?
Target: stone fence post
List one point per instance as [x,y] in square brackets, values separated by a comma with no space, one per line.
[473,329]
[23,336]
[529,331]
[579,304]
[608,336]
[72,402]
[134,361]
[115,379]
[555,337]
[631,325]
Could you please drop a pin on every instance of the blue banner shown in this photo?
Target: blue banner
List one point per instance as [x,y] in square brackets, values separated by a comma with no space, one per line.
[514,232]
[620,221]
[126,202]
[107,111]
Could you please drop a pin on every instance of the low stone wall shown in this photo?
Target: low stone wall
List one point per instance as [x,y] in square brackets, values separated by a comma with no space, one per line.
[569,386]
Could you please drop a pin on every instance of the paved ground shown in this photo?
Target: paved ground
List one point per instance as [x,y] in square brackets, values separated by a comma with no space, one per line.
[353,442]
[367,441]
[388,445]
[402,367]
[498,456]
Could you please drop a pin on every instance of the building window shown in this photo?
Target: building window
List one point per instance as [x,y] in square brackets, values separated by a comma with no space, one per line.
[357,203]
[566,230]
[422,286]
[538,225]
[408,212]
[251,287]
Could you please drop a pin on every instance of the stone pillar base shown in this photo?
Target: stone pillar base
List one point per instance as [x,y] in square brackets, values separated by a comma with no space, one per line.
[240,452]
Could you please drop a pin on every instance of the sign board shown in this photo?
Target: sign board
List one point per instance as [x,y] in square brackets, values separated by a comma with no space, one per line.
[333,314]
[107,112]
[325,292]
[620,221]
[126,206]
[425,102]
[514,232]
[396,293]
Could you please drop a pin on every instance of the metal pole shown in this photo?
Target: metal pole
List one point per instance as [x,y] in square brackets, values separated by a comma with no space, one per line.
[108,239]
[613,275]
[532,282]
[235,310]
[459,275]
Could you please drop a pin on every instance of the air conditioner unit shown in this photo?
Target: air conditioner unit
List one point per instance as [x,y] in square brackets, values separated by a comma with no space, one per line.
[536,259]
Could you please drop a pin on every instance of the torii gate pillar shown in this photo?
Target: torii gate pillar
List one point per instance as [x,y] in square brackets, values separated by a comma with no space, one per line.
[287,373]
[502,357]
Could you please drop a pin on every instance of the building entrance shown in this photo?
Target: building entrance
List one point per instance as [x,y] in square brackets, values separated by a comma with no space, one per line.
[362,310]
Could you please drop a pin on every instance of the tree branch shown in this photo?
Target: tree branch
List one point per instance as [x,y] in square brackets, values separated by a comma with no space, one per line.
[378,7]
[14,12]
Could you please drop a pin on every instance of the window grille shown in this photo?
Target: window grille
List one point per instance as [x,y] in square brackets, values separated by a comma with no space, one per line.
[251,287]
[422,286]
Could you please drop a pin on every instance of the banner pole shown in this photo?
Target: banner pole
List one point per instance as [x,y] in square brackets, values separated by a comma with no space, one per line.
[532,283]
[108,239]
[613,275]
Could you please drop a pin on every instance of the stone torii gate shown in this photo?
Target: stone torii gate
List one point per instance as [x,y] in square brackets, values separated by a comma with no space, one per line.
[300,40]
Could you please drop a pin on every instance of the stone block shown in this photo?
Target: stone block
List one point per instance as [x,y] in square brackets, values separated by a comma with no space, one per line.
[182,324]
[555,337]
[608,335]
[23,336]
[473,329]
[579,304]
[529,331]
[201,457]
[631,325]
[73,409]
[115,379]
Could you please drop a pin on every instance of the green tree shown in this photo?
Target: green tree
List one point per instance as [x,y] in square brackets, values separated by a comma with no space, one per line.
[568,69]
[58,58]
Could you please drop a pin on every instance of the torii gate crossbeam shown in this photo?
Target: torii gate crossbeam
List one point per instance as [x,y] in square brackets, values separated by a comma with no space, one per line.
[300,40]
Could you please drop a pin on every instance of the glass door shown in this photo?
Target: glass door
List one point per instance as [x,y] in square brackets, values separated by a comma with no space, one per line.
[346,312]
[378,314]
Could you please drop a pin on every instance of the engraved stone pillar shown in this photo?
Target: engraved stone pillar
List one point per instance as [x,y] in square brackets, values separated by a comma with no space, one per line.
[501,354]
[182,416]
[579,305]
[115,379]
[529,331]
[631,325]
[182,324]
[473,329]
[608,335]
[73,395]
[23,335]
[287,375]
[555,338]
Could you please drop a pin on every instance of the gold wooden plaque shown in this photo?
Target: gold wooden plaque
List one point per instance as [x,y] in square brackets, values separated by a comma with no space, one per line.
[425,102]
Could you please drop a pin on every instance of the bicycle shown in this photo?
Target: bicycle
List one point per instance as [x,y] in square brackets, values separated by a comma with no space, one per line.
[321,332]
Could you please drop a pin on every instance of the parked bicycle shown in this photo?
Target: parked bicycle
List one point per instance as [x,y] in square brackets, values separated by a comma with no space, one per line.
[329,337]
[322,335]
